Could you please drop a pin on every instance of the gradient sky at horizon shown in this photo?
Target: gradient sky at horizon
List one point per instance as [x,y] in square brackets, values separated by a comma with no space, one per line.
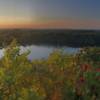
[83,14]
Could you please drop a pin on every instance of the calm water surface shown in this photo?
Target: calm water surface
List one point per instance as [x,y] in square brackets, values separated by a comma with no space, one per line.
[39,52]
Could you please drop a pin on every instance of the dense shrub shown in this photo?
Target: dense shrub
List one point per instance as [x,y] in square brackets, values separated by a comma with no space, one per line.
[59,77]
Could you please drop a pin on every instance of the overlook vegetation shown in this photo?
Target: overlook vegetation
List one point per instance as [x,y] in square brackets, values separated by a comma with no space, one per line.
[59,77]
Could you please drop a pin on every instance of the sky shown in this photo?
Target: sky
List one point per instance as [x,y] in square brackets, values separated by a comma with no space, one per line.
[74,14]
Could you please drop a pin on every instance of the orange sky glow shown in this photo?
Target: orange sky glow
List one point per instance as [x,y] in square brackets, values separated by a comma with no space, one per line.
[48,24]
[80,14]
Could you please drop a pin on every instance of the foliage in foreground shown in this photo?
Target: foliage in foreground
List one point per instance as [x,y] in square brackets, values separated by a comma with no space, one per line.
[59,77]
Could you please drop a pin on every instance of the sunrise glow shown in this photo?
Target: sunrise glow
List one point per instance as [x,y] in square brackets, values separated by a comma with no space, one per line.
[49,14]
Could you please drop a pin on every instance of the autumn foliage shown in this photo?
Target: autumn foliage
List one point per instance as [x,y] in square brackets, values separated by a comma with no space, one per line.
[59,77]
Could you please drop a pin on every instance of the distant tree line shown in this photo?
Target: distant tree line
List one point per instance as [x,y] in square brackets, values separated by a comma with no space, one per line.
[73,38]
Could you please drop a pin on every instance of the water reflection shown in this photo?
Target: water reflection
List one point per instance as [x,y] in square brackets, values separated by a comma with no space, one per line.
[39,52]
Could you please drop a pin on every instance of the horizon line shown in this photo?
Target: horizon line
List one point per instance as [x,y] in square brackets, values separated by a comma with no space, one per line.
[84,29]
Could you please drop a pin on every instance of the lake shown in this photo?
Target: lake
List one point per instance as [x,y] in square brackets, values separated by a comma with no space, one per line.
[42,52]
[43,42]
